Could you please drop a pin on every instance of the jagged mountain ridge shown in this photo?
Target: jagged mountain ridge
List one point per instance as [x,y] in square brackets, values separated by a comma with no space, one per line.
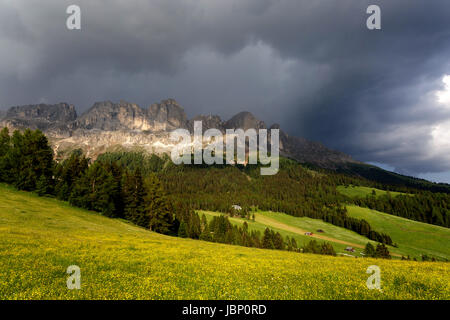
[110,126]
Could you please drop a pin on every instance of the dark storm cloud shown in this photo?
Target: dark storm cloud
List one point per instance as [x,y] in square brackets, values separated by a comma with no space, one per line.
[310,65]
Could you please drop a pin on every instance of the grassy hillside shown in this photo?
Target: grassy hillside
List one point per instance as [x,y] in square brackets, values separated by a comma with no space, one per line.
[296,227]
[414,238]
[385,177]
[41,237]
[359,191]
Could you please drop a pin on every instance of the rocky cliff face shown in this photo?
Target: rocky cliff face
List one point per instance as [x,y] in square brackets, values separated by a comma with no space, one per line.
[208,122]
[244,120]
[109,116]
[307,151]
[56,119]
[109,126]
[44,112]
[167,115]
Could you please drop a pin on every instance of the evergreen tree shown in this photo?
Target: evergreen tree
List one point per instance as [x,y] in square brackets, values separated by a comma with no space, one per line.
[157,206]
[369,250]
[204,223]
[133,194]
[267,241]
[294,244]
[194,226]
[95,190]
[182,232]
[29,158]
[43,185]
[278,242]
[117,173]
[5,147]
[288,244]
[327,249]
[67,172]
[206,234]
[312,247]
[382,251]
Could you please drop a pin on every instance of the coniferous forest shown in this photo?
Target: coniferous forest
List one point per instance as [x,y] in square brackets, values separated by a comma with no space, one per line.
[152,192]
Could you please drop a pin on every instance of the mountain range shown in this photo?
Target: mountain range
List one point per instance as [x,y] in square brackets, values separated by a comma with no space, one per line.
[109,126]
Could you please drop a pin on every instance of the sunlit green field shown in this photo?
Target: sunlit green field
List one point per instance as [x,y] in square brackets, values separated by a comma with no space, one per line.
[41,237]
[414,238]
[359,191]
[286,225]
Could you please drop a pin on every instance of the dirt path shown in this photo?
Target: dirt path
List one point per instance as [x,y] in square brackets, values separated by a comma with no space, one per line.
[276,224]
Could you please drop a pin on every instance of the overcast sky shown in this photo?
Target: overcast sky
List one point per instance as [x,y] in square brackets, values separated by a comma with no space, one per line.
[312,66]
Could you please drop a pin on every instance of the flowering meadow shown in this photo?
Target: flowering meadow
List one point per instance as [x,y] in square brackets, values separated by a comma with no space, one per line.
[41,237]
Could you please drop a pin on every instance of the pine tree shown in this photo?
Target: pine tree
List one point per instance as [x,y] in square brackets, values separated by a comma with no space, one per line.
[206,234]
[267,241]
[369,250]
[194,226]
[157,206]
[95,190]
[312,247]
[67,172]
[204,223]
[182,233]
[29,158]
[116,172]
[327,249]
[133,194]
[278,241]
[294,244]
[5,147]
[42,186]
[382,251]
[289,244]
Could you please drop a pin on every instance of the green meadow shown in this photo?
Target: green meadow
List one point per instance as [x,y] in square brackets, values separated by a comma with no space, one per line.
[41,237]
[413,237]
[359,191]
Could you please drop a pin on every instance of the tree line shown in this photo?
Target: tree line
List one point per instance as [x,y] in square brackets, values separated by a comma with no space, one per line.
[26,161]
[219,229]
[152,192]
[428,207]
[294,190]
[122,191]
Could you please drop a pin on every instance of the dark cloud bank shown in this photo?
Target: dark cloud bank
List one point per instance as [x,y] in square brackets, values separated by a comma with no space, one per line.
[311,66]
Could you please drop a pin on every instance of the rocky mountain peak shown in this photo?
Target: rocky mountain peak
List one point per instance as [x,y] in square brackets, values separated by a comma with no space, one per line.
[45,117]
[167,115]
[126,125]
[44,112]
[208,122]
[244,120]
[110,116]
